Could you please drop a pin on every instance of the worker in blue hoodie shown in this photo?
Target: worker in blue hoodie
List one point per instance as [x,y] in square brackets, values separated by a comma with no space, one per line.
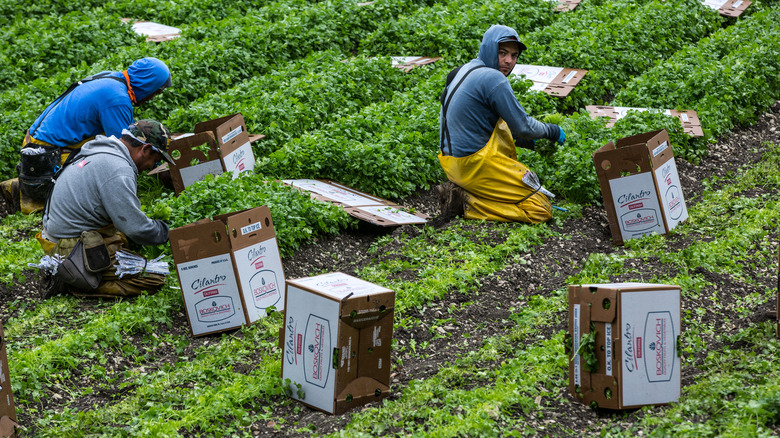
[481,122]
[100,104]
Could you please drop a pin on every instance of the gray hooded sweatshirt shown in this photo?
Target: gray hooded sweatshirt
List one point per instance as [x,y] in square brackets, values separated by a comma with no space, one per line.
[99,189]
[483,97]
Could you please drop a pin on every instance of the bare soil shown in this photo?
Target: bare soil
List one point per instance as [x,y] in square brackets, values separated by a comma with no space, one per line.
[553,262]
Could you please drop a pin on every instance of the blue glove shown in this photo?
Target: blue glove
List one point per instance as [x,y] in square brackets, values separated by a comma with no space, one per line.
[562,137]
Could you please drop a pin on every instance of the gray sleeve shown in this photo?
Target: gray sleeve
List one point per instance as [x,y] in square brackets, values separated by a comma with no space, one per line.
[123,207]
[522,126]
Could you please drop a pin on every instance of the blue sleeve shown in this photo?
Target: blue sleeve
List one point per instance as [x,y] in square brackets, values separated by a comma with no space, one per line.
[505,104]
[115,118]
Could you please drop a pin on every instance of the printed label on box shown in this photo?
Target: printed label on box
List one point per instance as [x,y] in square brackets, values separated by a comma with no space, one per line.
[673,201]
[576,347]
[636,205]
[651,368]
[240,160]
[608,348]
[211,293]
[310,334]
[257,266]
[232,134]
[196,173]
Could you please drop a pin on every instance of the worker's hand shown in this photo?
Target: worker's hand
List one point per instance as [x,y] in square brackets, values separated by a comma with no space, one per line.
[562,137]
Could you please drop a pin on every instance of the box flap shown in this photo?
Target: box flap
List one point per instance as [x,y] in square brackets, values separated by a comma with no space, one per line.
[363,310]
[187,242]
[359,392]
[7,427]
[250,226]
[7,406]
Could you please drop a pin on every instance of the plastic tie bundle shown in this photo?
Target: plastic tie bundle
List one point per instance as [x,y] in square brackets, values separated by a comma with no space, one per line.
[532,180]
[48,263]
[132,264]
[33,151]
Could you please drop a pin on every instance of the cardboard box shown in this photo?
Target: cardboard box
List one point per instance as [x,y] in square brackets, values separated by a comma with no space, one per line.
[640,186]
[728,8]
[635,327]
[688,118]
[229,269]
[361,205]
[7,406]
[216,146]
[336,341]
[555,81]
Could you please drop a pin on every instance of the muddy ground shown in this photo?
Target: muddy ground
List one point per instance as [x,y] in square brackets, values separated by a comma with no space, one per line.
[553,262]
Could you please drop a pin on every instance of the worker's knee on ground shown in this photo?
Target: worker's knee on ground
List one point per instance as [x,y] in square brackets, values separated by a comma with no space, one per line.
[536,209]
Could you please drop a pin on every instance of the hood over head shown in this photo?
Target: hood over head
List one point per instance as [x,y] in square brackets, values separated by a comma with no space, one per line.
[488,49]
[148,75]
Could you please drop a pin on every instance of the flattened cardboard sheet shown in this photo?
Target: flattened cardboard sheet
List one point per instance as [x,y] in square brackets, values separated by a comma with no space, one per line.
[728,8]
[689,118]
[555,81]
[361,205]
[406,63]
[567,5]
[155,32]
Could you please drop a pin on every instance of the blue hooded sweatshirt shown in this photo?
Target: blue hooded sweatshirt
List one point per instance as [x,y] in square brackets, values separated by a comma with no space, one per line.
[484,96]
[101,106]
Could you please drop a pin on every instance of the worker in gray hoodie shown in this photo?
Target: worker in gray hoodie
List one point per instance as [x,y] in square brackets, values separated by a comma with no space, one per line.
[96,192]
[481,123]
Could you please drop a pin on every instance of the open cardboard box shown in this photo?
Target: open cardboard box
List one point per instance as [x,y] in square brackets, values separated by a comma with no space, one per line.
[216,146]
[7,407]
[336,341]
[728,8]
[634,327]
[229,269]
[640,186]
[688,118]
[555,81]
[361,205]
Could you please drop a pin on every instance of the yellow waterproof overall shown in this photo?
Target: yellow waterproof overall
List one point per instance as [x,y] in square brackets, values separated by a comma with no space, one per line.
[111,285]
[492,179]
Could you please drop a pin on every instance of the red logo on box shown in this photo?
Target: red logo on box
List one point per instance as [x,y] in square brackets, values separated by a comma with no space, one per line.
[638,348]
[210,292]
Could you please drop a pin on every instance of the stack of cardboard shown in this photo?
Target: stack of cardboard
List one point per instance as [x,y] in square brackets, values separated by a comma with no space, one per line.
[688,118]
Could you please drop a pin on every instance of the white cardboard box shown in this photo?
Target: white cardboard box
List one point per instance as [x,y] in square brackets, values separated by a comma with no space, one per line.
[636,330]
[640,186]
[336,340]
[229,269]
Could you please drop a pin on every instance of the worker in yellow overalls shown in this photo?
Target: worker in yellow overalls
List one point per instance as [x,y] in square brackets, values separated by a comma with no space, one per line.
[481,122]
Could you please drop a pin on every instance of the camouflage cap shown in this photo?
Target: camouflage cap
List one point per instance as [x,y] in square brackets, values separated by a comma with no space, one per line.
[155,133]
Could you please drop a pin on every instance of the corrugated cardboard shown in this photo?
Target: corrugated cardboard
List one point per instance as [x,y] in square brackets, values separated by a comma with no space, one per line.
[688,118]
[229,150]
[640,186]
[636,330]
[555,81]
[155,32]
[567,5]
[7,406]
[728,8]
[229,269]
[406,63]
[336,341]
[361,205]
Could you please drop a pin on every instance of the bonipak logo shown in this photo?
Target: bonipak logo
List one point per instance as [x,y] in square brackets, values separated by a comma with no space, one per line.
[315,353]
[639,220]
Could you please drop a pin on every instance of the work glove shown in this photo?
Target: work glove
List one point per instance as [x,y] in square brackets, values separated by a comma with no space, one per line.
[562,137]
